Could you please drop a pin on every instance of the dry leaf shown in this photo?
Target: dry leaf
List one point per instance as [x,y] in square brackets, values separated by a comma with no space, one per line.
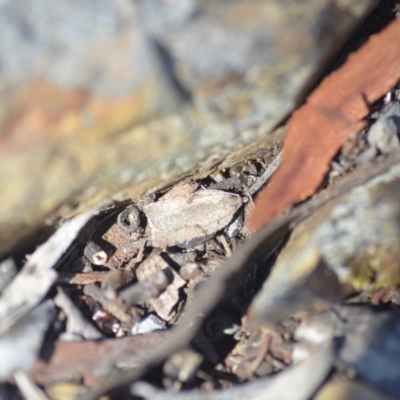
[332,113]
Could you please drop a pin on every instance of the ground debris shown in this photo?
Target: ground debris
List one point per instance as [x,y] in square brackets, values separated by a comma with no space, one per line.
[248,354]
[116,240]
[167,301]
[147,289]
[95,253]
[226,281]
[83,278]
[183,366]
[194,281]
[77,325]
[150,323]
[114,308]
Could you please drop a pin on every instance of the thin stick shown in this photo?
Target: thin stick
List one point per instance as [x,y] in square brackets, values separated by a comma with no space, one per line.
[263,179]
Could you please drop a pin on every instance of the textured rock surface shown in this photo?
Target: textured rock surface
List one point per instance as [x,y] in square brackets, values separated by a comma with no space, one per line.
[104,100]
[353,239]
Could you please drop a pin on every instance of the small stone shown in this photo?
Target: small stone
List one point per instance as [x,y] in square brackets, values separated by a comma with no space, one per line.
[190,271]
[236,227]
[183,365]
[150,323]
[383,133]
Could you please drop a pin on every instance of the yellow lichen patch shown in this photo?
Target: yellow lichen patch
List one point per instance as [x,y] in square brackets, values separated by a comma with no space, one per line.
[378,267]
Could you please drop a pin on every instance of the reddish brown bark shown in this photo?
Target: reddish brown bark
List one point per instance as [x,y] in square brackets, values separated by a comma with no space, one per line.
[93,360]
[331,114]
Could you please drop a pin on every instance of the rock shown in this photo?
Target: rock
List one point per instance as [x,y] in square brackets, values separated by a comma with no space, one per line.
[350,390]
[383,133]
[104,101]
[352,240]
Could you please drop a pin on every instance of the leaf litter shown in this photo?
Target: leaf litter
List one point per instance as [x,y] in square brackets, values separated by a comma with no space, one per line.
[168,280]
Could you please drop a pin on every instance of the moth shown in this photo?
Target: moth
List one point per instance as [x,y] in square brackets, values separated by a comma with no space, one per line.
[188,217]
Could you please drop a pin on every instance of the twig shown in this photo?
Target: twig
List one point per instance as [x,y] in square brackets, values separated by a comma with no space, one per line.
[76,322]
[81,278]
[26,386]
[263,179]
[95,253]
[111,306]
[140,255]
[224,242]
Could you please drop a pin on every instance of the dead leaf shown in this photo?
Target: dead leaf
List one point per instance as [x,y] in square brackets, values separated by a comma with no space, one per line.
[332,113]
